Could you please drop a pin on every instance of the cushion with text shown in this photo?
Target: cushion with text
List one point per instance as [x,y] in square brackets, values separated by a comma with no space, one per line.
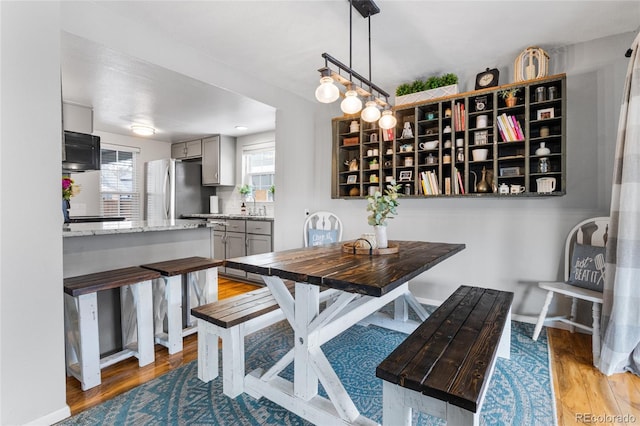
[318,237]
[587,267]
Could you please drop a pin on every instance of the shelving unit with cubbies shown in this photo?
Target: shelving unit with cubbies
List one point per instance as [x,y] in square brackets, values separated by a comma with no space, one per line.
[437,157]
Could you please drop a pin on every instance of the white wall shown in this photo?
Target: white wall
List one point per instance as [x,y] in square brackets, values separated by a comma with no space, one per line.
[87,202]
[32,375]
[511,243]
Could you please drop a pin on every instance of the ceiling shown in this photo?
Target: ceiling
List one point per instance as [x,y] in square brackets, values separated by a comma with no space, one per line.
[281,41]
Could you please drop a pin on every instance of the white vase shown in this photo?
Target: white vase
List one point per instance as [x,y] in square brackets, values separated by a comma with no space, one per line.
[381,236]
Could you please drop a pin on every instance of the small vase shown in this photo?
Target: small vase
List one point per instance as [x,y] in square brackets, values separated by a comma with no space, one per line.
[66,205]
[543,150]
[510,101]
[381,236]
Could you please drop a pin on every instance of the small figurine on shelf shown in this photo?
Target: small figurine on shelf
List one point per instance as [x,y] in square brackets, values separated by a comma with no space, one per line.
[407,133]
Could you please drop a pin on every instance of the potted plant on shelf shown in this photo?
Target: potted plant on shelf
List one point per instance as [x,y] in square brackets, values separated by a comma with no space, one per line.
[421,90]
[382,207]
[509,96]
[69,189]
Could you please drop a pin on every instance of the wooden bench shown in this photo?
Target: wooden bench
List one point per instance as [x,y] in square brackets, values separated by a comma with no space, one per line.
[232,319]
[444,367]
[180,287]
[81,321]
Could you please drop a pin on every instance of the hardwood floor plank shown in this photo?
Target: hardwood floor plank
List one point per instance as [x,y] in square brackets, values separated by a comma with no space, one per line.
[578,386]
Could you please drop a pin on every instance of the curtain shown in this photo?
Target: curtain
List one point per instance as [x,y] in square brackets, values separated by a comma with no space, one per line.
[621,306]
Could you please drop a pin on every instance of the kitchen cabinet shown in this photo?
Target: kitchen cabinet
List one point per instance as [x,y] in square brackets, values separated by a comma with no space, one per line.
[187,150]
[241,237]
[452,142]
[259,240]
[218,160]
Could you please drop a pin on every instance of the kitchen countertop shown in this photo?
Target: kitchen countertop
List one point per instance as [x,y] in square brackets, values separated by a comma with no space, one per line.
[110,228]
[227,216]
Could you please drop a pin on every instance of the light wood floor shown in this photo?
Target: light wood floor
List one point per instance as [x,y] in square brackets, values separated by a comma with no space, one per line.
[580,389]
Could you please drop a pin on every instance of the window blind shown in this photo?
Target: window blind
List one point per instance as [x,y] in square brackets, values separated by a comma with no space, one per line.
[119,182]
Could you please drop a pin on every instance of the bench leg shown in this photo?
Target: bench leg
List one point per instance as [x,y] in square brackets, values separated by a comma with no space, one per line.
[233,361]
[84,310]
[143,298]
[207,351]
[543,314]
[173,301]
[460,416]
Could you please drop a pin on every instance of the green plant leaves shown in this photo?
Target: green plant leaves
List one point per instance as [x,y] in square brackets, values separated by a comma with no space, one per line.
[432,82]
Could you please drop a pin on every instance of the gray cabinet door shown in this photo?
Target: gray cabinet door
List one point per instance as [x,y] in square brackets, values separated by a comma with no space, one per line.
[178,150]
[218,160]
[236,247]
[257,244]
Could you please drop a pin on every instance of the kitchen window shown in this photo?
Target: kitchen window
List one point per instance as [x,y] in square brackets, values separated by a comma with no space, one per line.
[119,182]
[259,167]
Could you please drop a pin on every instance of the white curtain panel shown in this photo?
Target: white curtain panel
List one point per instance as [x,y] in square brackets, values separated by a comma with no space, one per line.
[621,309]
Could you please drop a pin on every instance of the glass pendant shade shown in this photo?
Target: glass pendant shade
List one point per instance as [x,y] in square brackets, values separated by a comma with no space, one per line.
[371,112]
[351,104]
[327,92]
[387,121]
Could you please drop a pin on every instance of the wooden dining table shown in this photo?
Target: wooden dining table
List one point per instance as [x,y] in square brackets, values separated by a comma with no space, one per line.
[363,284]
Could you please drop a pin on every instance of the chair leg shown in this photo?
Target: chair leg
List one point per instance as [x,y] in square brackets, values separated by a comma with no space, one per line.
[595,337]
[543,314]
[574,313]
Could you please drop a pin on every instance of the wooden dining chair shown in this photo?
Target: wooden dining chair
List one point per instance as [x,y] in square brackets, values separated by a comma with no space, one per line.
[584,263]
[322,228]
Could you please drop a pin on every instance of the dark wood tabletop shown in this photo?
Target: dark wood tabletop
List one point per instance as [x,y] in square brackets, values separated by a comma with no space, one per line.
[357,273]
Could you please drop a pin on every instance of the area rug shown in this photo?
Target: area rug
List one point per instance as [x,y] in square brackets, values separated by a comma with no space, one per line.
[520,392]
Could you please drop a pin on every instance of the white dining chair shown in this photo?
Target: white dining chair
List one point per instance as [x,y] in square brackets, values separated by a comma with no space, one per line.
[322,228]
[585,236]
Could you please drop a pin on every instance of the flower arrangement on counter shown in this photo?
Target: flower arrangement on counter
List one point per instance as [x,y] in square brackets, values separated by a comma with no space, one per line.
[69,188]
[383,206]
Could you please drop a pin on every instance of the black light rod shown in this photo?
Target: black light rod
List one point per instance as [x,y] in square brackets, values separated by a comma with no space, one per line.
[345,68]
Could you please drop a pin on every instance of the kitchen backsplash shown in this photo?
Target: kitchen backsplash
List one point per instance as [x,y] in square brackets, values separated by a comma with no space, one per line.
[231,201]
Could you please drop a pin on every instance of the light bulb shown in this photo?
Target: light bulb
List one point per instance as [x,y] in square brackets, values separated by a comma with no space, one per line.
[327,92]
[387,121]
[351,103]
[371,113]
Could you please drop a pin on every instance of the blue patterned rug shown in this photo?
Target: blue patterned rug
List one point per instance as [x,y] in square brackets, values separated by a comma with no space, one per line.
[520,392]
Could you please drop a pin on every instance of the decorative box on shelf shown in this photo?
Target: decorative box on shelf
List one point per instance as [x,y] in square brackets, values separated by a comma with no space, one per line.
[438,92]
[351,141]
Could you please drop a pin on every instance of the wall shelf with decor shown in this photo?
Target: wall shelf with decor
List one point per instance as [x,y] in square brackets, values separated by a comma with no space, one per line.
[443,147]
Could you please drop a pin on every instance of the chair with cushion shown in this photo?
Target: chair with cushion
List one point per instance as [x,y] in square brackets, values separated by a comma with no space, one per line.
[322,228]
[584,263]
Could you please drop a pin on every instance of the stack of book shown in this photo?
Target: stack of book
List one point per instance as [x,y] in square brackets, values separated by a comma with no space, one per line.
[509,128]
[459,120]
[429,183]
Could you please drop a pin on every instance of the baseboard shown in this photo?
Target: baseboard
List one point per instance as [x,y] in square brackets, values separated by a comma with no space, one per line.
[52,418]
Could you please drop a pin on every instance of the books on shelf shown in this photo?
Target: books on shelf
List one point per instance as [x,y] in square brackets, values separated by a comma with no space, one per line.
[509,128]
[459,121]
[429,183]
[459,184]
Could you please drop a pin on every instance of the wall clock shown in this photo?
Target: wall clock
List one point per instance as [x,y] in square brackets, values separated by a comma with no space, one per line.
[488,78]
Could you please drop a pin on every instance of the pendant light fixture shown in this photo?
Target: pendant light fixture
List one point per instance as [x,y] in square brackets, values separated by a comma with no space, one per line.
[356,86]
[371,112]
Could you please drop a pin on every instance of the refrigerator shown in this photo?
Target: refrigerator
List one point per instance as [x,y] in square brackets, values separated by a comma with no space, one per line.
[174,188]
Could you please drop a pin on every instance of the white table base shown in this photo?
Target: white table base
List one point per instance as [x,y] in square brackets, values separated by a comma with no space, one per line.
[312,329]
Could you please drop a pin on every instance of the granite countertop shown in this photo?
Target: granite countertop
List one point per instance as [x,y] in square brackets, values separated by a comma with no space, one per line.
[227,216]
[110,228]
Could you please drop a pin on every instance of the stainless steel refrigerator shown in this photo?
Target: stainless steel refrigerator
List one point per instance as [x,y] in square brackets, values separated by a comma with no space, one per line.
[174,188]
